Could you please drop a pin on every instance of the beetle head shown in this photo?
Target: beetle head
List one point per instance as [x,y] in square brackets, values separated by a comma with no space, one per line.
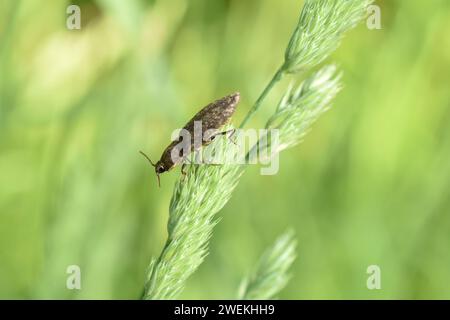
[159,167]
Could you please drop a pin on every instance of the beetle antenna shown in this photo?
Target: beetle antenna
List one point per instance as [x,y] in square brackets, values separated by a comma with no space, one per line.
[147,157]
[151,162]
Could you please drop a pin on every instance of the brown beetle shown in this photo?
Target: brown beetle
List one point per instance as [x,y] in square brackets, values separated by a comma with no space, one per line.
[212,117]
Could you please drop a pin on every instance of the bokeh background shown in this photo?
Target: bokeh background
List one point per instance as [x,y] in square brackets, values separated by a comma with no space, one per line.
[370,184]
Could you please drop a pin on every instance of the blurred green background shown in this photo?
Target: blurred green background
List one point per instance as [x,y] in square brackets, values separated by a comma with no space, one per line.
[370,184]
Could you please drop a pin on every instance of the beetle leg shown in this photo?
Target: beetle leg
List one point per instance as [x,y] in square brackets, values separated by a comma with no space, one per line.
[183,172]
[183,166]
[228,133]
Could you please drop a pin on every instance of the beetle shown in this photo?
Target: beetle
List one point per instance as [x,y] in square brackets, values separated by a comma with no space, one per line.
[212,117]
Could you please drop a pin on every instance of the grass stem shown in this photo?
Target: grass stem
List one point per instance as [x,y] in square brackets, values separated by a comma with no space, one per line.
[277,77]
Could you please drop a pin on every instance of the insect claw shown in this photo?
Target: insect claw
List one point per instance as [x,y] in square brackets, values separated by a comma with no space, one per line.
[183,170]
[231,136]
